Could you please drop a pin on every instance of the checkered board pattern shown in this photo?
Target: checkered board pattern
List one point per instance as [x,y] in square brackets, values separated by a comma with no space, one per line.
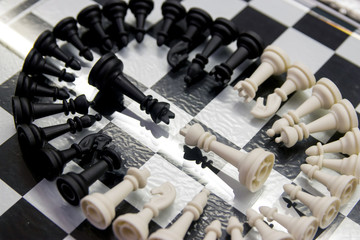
[32,208]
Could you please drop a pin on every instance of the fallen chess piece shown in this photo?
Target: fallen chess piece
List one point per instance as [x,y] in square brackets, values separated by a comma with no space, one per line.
[213,231]
[235,228]
[141,9]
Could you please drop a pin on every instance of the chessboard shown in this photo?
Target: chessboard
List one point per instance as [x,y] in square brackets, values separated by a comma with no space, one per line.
[32,208]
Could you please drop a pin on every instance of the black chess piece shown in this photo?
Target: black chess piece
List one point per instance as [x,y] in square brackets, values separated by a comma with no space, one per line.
[90,17]
[30,87]
[25,111]
[34,63]
[74,186]
[107,76]
[198,21]
[115,11]
[223,32]
[250,46]
[67,30]
[141,9]
[173,11]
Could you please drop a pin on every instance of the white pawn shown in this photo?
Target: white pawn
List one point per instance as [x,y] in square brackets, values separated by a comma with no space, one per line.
[325,209]
[99,209]
[342,117]
[254,167]
[135,225]
[191,213]
[302,228]
[324,94]
[267,233]
[299,77]
[235,228]
[213,231]
[274,61]
[348,144]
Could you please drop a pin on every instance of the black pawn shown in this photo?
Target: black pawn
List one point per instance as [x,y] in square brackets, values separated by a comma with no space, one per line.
[250,46]
[34,63]
[107,76]
[141,9]
[67,30]
[30,87]
[223,32]
[26,112]
[73,187]
[115,11]
[173,11]
[90,17]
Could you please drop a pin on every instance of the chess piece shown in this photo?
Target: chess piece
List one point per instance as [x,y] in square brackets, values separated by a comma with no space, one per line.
[213,231]
[235,228]
[141,9]
[342,117]
[25,111]
[173,11]
[254,167]
[342,186]
[250,46]
[135,225]
[302,228]
[90,17]
[30,87]
[34,63]
[67,30]
[223,32]
[115,11]
[324,94]
[325,209]
[191,212]
[198,21]
[274,61]
[348,144]
[99,209]
[73,187]
[299,77]
[107,76]
[46,45]
[267,233]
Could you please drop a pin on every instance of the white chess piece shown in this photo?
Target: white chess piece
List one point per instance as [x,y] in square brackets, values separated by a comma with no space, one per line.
[325,209]
[235,228]
[254,167]
[324,94]
[135,225]
[341,186]
[213,231]
[274,61]
[299,77]
[267,233]
[191,213]
[342,117]
[302,228]
[99,208]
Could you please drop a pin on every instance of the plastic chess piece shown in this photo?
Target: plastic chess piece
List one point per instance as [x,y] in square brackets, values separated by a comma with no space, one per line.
[46,45]
[324,94]
[30,87]
[99,209]
[135,225]
[325,209]
[173,11]
[342,118]
[141,9]
[115,11]
[34,63]
[191,212]
[213,231]
[235,228]
[274,61]
[250,46]
[67,30]
[90,17]
[107,76]
[267,233]
[198,21]
[254,167]
[302,228]
[299,77]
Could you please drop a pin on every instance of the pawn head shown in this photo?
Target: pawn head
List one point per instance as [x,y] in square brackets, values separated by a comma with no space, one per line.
[252,42]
